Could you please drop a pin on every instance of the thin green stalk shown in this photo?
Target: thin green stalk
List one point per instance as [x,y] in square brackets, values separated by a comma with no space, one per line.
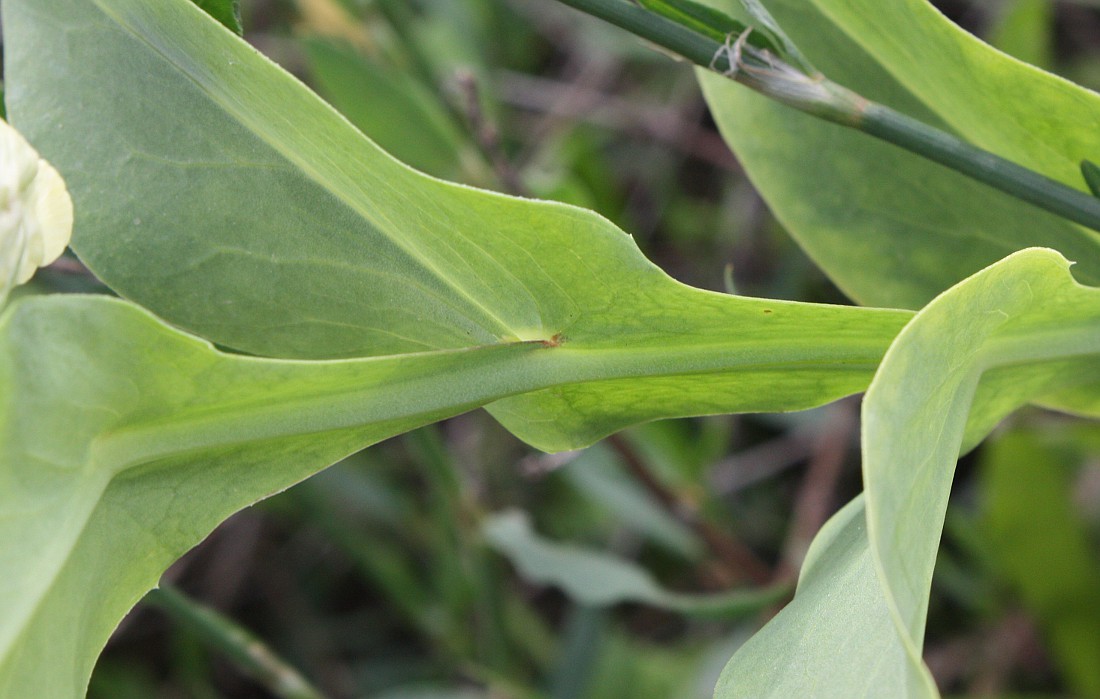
[1005,175]
[249,653]
[814,94]
[664,32]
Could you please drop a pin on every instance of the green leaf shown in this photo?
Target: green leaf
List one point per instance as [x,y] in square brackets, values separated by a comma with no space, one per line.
[228,12]
[220,193]
[238,644]
[836,638]
[215,188]
[1024,328]
[596,579]
[1012,333]
[123,442]
[890,228]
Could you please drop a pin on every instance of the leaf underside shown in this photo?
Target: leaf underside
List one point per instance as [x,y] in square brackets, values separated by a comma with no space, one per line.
[1015,332]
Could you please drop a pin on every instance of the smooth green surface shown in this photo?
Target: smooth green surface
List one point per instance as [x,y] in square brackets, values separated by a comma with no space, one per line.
[124,442]
[835,639]
[890,228]
[223,195]
[597,579]
[217,190]
[1024,328]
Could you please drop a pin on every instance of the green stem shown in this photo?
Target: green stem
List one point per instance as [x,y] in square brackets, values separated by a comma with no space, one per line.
[249,653]
[664,32]
[815,95]
[1005,175]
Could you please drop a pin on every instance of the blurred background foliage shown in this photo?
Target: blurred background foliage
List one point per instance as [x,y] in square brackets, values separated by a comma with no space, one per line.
[455,563]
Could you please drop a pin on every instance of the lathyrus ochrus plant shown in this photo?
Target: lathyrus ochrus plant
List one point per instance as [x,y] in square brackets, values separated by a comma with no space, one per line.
[226,204]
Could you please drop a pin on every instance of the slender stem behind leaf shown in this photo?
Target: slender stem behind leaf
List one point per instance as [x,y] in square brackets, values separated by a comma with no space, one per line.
[813,94]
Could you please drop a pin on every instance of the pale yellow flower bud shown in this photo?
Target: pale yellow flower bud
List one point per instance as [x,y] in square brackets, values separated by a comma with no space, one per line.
[36,213]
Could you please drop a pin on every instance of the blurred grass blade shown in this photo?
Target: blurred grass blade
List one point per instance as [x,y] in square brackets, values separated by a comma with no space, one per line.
[1091,172]
[597,475]
[247,652]
[1040,543]
[227,12]
[597,579]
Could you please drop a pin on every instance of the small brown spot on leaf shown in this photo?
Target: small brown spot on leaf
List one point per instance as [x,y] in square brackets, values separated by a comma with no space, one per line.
[555,341]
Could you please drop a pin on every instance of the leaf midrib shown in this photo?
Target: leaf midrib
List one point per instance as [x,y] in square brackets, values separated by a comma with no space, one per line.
[533,367]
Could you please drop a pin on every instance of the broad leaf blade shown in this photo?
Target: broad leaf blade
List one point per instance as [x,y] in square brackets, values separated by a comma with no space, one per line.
[123,442]
[1008,335]
[1023,328]
[126,442]
[216,190]
[835,639]
[890,228]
